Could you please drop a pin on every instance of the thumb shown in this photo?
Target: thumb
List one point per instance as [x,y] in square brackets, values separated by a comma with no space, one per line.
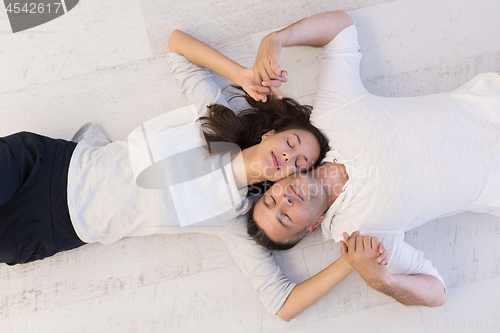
[346,236]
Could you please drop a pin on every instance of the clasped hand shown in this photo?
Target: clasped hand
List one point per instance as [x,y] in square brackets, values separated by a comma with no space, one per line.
[367,257]
[266,73]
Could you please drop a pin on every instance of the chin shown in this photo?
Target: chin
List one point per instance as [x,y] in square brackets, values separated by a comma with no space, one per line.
[273,179]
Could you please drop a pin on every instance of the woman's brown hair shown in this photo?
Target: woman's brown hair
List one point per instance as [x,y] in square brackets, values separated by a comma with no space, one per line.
[247,127]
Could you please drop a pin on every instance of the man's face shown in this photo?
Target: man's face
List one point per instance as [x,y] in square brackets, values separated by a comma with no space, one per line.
[290,206]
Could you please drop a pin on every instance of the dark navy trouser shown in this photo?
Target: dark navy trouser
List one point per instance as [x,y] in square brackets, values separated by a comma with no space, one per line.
[34,216]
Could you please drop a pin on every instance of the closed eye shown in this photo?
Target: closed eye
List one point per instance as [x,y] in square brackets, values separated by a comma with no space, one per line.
[265,202]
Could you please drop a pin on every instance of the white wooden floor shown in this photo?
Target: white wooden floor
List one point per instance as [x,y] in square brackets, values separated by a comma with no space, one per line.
[105,61]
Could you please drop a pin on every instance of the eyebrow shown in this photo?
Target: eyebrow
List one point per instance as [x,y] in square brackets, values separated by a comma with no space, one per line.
[298,138]
[277,217]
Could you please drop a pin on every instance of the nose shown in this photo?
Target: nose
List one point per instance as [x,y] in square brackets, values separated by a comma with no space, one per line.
[285,155]
[289,156]
[285,200]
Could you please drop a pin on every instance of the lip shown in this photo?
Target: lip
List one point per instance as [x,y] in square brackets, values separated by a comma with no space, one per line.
[296,192]
[276,161]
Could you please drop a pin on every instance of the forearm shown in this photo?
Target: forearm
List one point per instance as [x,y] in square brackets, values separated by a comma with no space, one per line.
[418,289]
[309,291]
[203,55]
[317,30]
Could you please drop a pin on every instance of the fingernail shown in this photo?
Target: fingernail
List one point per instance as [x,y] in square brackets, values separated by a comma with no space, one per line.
[264,83]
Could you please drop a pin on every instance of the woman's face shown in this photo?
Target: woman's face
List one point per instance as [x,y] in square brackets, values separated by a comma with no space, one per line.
[282,154]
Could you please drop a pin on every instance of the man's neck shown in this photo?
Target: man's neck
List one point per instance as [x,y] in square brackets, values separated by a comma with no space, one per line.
[333,177]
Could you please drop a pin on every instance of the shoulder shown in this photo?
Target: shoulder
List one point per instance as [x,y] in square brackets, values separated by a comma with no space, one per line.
[345,41]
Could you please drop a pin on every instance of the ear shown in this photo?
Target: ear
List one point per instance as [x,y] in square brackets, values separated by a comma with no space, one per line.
[312,228]
[270,133]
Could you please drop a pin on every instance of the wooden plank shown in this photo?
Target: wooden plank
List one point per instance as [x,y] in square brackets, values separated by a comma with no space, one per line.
[92,36]
[216,301]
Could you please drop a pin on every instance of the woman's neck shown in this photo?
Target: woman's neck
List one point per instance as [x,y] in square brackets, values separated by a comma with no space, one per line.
[244,169]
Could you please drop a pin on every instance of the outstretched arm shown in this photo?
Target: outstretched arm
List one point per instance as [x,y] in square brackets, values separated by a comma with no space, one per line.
[309,291]
[317,30]
[279,294]
[203,55]
[417,289]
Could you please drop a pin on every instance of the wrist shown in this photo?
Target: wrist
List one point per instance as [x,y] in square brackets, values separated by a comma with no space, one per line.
[278,38]
[345,265]
[240,74]
[283,37]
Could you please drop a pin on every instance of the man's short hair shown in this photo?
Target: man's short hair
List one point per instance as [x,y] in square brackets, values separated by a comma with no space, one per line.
[260,237]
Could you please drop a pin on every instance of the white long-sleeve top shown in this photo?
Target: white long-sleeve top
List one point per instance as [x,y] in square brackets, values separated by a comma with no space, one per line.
[108,199]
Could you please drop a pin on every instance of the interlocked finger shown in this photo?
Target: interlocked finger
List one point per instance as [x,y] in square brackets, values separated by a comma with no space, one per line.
[261,89]
[263,73]
[367,242]
[270,72]
[360,246]
[351,242]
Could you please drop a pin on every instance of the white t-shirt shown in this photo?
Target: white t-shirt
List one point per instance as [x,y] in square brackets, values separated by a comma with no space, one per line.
[409,160]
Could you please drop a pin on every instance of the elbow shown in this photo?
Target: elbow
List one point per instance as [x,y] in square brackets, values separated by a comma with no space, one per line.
[440,299]
[284,318]
[437,302]
[173,41]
